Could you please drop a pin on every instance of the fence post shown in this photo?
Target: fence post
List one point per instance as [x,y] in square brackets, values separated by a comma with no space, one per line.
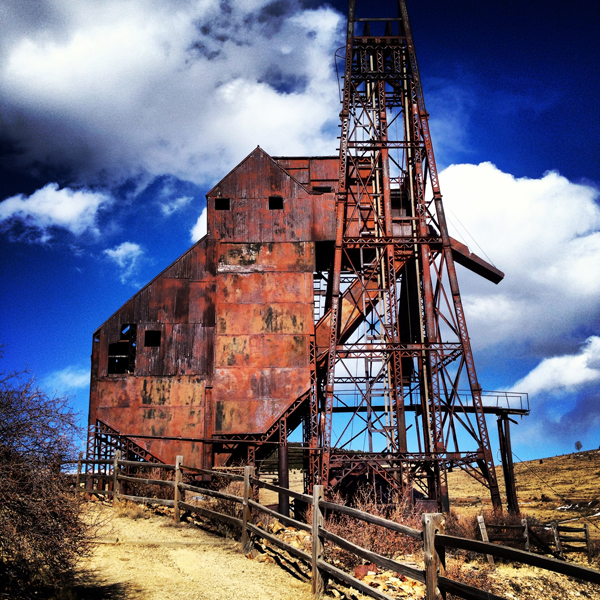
[246,516]
[432,522]
[587,542]
[177,494]
[557,539]
[485,538]
[526,534]
[116,482]
[317,545]
[78,480]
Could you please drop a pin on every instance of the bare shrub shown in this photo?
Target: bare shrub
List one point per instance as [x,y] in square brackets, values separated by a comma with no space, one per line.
[372,537]
[149,490]
[42,533]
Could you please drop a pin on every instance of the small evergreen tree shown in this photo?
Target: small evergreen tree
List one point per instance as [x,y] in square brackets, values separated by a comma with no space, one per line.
[578,445]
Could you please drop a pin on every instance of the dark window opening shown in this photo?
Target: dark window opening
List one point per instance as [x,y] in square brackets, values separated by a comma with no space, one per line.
[322,189]
[222,204]
[152,338]
[121,354]
[275,203]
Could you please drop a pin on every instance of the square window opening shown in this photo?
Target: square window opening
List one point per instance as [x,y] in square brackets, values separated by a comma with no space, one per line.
[152,338]
[275,203]
[222,204]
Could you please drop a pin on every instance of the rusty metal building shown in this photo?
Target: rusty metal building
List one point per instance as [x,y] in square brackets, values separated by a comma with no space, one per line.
[218,347]
[325,292]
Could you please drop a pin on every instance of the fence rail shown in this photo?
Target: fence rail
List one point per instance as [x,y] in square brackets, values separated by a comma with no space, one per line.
[432,537]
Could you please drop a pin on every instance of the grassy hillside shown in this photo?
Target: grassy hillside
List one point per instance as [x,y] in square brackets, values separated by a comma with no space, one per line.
[557,488]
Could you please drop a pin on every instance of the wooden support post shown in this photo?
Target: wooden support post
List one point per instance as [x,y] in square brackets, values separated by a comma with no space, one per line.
[557,540]
[177,495]
[485,538]
[78,480]
[317,545]
[284,479]
[432,524]
[526,534]
[587,542]
[116,472]
[246,516]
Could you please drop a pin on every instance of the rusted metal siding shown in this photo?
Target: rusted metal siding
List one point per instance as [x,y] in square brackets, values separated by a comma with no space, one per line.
[304,217]
[264,323]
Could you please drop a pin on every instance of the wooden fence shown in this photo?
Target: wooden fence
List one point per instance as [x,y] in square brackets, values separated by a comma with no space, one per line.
[432,537]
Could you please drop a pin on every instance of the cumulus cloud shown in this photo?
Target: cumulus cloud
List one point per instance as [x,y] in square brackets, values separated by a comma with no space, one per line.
[564,373]
[545,235]
[116,88]
[168,208]
[127,257]
[200,228]
[69,378]
[49,207]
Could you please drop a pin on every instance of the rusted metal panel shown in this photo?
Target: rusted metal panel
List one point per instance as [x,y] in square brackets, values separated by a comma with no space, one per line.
[324,169]
[258,351]
[262,257]
[290,318]
[296,167]
[249,288]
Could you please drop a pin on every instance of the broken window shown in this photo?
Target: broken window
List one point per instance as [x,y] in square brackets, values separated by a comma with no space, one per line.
[121,354]
[275,203]
[222,204]
[152,338]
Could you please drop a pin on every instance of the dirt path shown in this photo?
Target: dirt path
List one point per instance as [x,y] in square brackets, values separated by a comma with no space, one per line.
[149,559]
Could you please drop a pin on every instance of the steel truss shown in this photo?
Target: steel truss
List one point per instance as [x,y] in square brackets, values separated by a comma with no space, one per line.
[397,331]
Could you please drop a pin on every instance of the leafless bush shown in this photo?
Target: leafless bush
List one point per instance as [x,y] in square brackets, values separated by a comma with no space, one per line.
[42,533]
[149,490]
[372,537]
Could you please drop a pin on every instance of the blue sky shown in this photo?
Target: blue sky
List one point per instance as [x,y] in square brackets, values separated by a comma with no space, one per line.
[117,116]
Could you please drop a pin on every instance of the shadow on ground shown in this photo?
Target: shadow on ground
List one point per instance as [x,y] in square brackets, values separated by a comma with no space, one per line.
[90,587]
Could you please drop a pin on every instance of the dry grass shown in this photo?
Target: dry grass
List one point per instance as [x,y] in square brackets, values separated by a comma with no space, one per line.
[556,488]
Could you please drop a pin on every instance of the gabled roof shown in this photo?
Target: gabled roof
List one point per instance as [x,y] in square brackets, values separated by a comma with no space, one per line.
[274,163]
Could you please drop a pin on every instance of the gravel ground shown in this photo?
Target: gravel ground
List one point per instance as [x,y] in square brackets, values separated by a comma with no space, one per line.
[149,559]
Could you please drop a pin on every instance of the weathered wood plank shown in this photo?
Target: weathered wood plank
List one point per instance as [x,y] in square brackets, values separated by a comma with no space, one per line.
[282,518]
[374,557]
[352,581]
[353,512]
[144,500]
[211,514]
[214,493]
[550,564]
[278,542]
[146,481]
[276,488]
[463,590]
[214,473]
[145,465]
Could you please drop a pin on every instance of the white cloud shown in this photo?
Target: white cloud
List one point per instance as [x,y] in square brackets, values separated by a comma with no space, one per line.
[564,373]
[73,210]
[545,235]
[127,256]
[200,228]
[119,87]
[67,379]
[168,208]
